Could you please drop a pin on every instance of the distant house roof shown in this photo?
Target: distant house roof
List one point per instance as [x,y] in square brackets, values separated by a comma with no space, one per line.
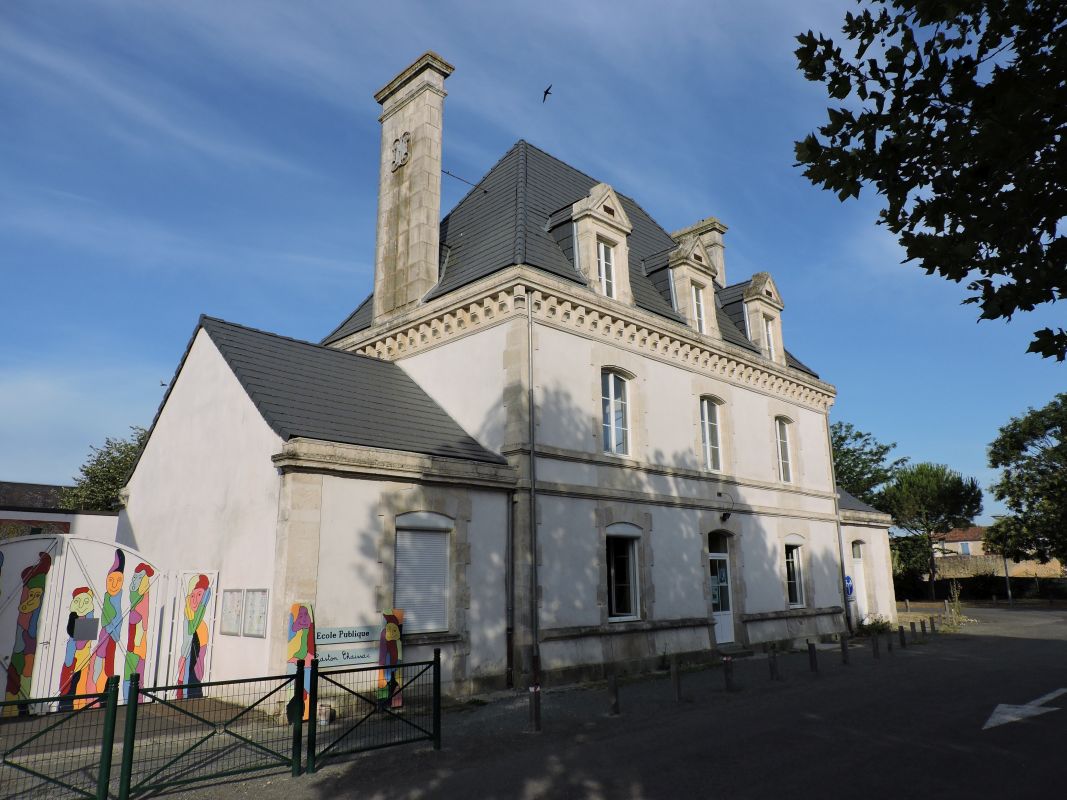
[31,496]
[518,214]
[307,390]
[973,534]
[848,502]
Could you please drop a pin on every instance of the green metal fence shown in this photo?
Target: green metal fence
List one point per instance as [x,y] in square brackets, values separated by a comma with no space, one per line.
[61,747]
[226,728]
[45,752]
[353,712]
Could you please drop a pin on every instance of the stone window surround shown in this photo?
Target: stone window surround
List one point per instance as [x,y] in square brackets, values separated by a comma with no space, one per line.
[592,224]
[608,514]
[799,541]
[628,391]
[775,410]
[632,535]
[455,504]
[721,415]
[628,366]
[783,424]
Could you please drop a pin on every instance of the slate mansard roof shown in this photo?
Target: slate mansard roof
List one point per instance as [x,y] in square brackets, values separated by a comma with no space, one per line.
[519,213]
[307,390]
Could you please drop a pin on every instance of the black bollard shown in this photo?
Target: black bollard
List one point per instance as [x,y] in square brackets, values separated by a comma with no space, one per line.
[889,641]
[844,648]
[813,659]
[903,641]
[728,673]
[933,626]
[676,679]
[914,633]
[875,646]
[922,624]
[613,693]
[772,663]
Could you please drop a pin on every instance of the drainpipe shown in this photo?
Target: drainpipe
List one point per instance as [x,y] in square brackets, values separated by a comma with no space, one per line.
[509,593]
[535,623]
[837,522]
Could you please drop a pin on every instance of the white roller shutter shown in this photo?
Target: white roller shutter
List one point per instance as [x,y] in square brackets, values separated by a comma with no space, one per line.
[421,586]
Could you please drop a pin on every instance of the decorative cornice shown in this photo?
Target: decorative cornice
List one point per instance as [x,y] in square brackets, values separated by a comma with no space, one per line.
[568,306]
[313,455]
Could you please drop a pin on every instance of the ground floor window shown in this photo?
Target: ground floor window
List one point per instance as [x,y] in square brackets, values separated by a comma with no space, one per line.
[421,583]
[793,579]
[622,577]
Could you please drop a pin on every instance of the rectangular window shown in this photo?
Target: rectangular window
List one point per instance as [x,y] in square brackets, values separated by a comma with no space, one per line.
[613,399]
[768,336]
[622,577]
[793,579]
[698,307]
[421,584]
[605,260]
[965,548]
[670,285]
[857,550]
[709,432]
[784,468]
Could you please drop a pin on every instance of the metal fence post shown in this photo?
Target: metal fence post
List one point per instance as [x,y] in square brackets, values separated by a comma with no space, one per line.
[103,779]
[313,715]
[296,715]
[129,735]
[437,698]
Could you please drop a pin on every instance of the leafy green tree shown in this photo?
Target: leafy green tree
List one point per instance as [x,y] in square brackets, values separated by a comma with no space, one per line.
[928,500]
[955,112]
[1031,451]
[105,472]
[861,463]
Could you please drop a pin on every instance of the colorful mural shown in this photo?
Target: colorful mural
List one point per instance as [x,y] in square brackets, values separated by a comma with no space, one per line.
[73,676]
[107,644]
[20,668]
[137,626]
[195,638]
[390,653]
[302,645]
[10,528]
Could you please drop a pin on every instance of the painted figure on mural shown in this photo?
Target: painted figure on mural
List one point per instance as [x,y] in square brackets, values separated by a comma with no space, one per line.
[389,656]
[302,644]
[74,677]
[110,624]
[137,626]
[193,661]
[20,668]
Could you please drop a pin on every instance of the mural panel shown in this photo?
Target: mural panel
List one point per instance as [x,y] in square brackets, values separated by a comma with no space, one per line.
[302,645]
[24,649]
[195,625]
[390,654]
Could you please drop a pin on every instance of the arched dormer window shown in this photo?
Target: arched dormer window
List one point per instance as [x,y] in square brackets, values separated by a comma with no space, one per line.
[615,411]
[709,432]
[782,426]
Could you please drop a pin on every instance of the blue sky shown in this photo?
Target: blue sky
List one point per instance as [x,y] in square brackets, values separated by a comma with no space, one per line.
[161,160]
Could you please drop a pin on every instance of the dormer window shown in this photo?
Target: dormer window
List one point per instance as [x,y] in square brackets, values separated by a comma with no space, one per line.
[605,264]
[698,307]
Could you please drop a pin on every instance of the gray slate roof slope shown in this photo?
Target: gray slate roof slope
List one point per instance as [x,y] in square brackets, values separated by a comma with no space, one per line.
[317,392]
[39,496]
[848,502]
[358,320]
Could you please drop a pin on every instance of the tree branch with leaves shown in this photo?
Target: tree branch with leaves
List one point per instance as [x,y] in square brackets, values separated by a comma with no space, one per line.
[104,473]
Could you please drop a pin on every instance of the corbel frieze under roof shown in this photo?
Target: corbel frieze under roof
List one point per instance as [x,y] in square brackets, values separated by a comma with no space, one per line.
[569,307]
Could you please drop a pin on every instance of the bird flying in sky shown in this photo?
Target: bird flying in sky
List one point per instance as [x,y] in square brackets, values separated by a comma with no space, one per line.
[548,91]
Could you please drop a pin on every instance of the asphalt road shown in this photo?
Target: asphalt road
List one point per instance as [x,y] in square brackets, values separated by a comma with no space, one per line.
[909,724]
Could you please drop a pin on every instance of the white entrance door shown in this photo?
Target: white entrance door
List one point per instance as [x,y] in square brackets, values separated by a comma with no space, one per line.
[859,583]
[721,605]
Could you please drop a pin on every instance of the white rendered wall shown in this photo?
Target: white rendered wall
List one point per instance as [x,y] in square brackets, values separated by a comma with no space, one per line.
[878,567]
[466,377]
[204,496]
[350,568]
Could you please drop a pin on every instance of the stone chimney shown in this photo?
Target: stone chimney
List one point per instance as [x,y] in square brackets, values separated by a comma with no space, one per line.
[409,186]
[710,233]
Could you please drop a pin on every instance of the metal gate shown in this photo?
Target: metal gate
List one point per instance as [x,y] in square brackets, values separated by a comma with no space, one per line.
[185,733]
[353,710]
[62,754]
